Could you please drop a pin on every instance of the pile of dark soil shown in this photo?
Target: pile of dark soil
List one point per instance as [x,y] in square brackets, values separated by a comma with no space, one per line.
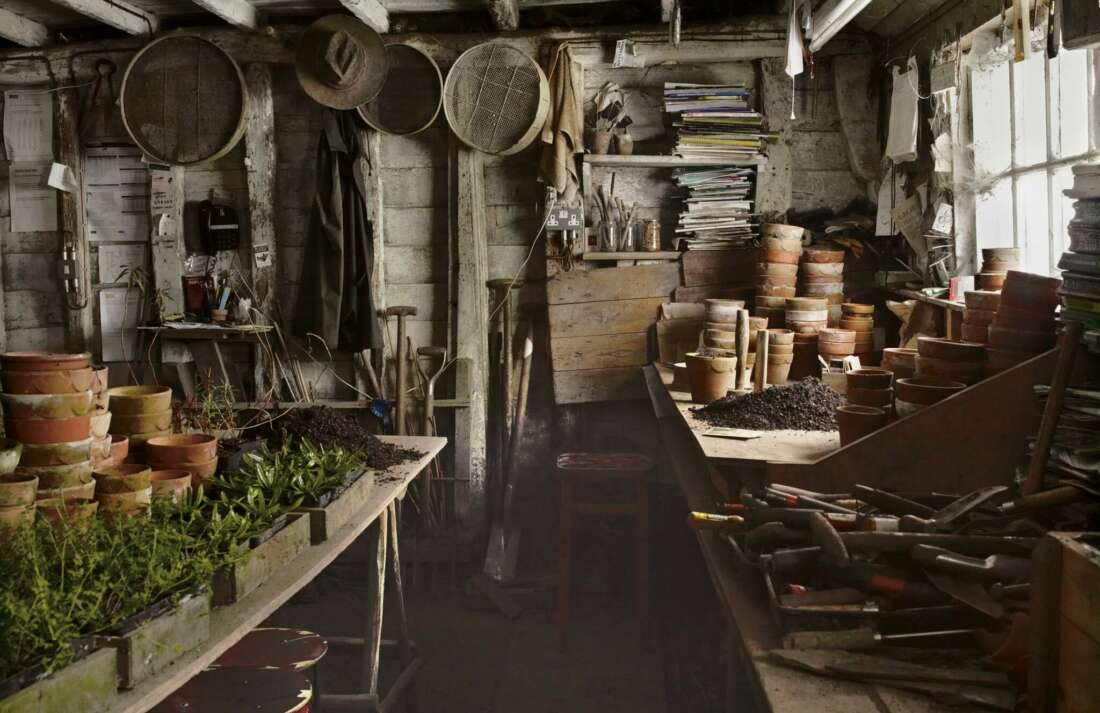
[806,405]
[325,426]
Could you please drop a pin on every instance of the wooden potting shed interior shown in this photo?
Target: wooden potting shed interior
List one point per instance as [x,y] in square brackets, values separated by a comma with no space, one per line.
[496,356]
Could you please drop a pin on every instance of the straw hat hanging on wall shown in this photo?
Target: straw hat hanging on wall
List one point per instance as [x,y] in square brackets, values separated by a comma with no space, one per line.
[341,62]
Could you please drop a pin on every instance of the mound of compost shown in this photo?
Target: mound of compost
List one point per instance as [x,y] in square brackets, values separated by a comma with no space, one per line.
[325,426]
[806,405]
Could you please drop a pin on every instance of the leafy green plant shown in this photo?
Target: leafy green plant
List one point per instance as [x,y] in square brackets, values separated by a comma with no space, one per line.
[210,409]
[295,474]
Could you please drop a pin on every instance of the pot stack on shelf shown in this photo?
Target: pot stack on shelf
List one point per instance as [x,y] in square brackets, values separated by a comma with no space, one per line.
[1081,263]
[1024,324]
[821,275]
[962,362]
[872,388]
[996,262]
[981,308]
[777,270]
[140,413]
[48,402]
[902,361]
[806,317]
[859,318]
[780,355]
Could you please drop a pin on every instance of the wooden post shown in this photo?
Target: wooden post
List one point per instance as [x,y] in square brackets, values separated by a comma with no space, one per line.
[1063,370]
[78,317]
[761,380]
[370,164]
[472,267]
[168,249]
[376,597]
[742,343]
[260,164]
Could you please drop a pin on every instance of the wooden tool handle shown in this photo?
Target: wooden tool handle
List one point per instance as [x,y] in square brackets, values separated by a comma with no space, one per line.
[761,374]
[742,344]
[707,521]
[1071,338]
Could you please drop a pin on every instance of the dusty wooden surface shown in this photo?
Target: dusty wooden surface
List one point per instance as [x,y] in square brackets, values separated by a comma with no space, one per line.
[229,624]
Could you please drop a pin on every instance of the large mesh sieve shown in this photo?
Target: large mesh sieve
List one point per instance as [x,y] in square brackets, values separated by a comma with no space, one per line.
[496,98]
[410,98]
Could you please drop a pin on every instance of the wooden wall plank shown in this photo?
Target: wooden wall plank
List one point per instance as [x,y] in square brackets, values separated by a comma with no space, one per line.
[618,283]
[578,387]
[714,267]
[602,352]
[261,162]
[588,319]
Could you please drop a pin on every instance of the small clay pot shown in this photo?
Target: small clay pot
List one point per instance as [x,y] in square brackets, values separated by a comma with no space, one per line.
[101,424]
[82,491]
[821,279]
[57,511]
[779,368]
[1002,254]
[925,390]
[710,377]
[879,398]
[142,422]
[822,269]
[813,254]
[135,400]
[979,317]
[17,489]
[832,290]
[100,379]
[125,502]
[806,304]
[857,324]
[755,325]
[120,447]
[789,257]
[782,231]
[719,340]
[807,315]
[982,299]
[137,440]
[126,478]
[836,336]
[59,476]
[724,311]
[601,142]
[200,471]
[807,327]
[776,268]
[44,361]
[46,454]
[870,379]
[773,315]
[46,405]
[787,244]
[948,350]
[856,308]
[48,430]
[894,358]
[856,421]
[990,281]
[13,516]
[780,336]
[11,454]
[777,280]
[71,381]
[170,484]
[836,349]
[1027,320]
[774,349]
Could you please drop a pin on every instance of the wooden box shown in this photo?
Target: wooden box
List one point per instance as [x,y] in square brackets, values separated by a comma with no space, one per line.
[1064,650]
[235,583]
[324,521]
[88,686]
[152,645]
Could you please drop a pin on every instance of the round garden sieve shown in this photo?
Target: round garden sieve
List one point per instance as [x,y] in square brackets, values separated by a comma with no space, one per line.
[410,99]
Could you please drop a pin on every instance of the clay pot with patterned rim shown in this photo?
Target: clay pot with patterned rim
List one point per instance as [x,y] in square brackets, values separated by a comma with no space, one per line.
[101,424]
[17,489]
[136,400]
[141,422]
[120,447]
[182,448]
[125,478]
[201,471]
[48,430]
[101,450]
[57,511]
[72,381]
[46,405]
[125,503]
[44,361]
[44,454]
[170,484]
[870,379]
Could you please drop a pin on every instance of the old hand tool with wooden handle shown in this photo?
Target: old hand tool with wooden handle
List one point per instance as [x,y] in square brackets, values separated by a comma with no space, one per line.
[993,567]
[710,521]
[859,638]
[950,517]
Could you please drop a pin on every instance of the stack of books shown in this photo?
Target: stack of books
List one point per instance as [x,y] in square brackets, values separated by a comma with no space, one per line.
[718,209]
[1081,263]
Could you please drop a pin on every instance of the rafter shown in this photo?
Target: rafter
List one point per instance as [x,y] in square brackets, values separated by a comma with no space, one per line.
[240,13]
[22,31]
[372,12]
[505,14]
[119,14]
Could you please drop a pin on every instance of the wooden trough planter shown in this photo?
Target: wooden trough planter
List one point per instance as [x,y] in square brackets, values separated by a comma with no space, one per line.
[150,644]
[326,520]
[87,685]
[234,583]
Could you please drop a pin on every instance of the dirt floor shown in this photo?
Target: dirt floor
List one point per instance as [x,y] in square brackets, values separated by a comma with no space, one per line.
[478,661]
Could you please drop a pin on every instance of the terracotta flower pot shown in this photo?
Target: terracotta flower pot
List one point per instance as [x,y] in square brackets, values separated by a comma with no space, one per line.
[183,448]
[807,315]
[714,339]
[828,290]
[137,440]
[774,290]
[170,484]
[777,349]
[624,143]
[72,381]
[783,232]
[857,308]
[822,269]
[101,424]
[723,311]
[142,422]
[779,368]
[13,516]
[1020,340]
[126,478]
[870,379]
[789,257]
[784,244]
[836,336]
[968,372]
[807,327]
[135,400]
[601,142]
[48,430]
[895,358]
[17,489]
[44,361]
[57,511]
[120,447]
[59,476]
[101,449]
[780,336]
[855,422]
[46,405]
[43,454]
[836,349]
[812,254]
[125,502]
[776,268]
[948,350]
[770,302]
[201,473]
[978,334]
[777,280]
[990,281]
[982,299]
[925,390]
[83,491]
[11,453]
[880,398]
[710,377]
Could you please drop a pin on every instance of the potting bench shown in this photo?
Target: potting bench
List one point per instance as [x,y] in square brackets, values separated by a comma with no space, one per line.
[230,623]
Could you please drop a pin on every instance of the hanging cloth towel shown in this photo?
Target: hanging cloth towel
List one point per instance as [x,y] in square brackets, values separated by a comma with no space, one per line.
[335,300]
[901,146]
[563,132]
[795,49]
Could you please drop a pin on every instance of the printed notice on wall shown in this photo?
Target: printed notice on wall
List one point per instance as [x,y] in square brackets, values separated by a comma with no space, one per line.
[33,201]
[162,194]
[119,316]
[116,194]
[28,125]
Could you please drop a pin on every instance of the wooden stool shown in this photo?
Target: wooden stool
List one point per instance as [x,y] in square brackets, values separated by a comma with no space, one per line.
[240,689]
[574,468]
[278,649]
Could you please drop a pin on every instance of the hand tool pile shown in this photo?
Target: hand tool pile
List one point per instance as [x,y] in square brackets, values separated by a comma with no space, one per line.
[947,576]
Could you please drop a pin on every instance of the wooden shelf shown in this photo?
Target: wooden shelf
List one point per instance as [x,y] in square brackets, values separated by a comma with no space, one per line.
[937,301]
[612,257]
[633,161]
[229,624]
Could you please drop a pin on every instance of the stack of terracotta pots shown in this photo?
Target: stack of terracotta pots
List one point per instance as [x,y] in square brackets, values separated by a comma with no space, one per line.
[193,453]
[902,361]
[954,361]
[860,318]
[123,489]
[871,387]
[720,323]
[48,404]
[780,355]
[1024,324]
[836,343]
[822,275]
[856,421]
[912,395]
[981,306]
[996,262]
[777,270]
[18,492]
[101,417]
[141,413]
[806,315]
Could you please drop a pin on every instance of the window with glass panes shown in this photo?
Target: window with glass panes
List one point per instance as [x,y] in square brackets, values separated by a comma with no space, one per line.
[1032,122]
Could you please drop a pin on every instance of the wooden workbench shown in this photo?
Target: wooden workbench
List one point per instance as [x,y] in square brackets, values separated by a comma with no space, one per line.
[230,623]
[741,593]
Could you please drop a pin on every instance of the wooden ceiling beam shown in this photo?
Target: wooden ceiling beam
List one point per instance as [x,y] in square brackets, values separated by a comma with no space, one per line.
[119,14]
[505,14]
[22,31]
[239,13]
[372,12]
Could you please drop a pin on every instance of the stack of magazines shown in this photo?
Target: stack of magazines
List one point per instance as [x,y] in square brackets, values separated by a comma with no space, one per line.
[718,210]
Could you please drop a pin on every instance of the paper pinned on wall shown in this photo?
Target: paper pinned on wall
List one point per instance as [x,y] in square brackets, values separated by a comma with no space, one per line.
[33,202]
[28,125]
[116,194]
[119,316]
[901,146]
[162,194]
[62,178]
[945,219]
[909,217]
[115,259]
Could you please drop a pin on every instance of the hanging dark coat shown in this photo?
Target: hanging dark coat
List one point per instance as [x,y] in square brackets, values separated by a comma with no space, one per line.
[334,299]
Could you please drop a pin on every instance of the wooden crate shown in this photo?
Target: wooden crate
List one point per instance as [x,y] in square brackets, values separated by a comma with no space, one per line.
[235,583]
[154,644]
[1064,651]
[325,521]
[87,685]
